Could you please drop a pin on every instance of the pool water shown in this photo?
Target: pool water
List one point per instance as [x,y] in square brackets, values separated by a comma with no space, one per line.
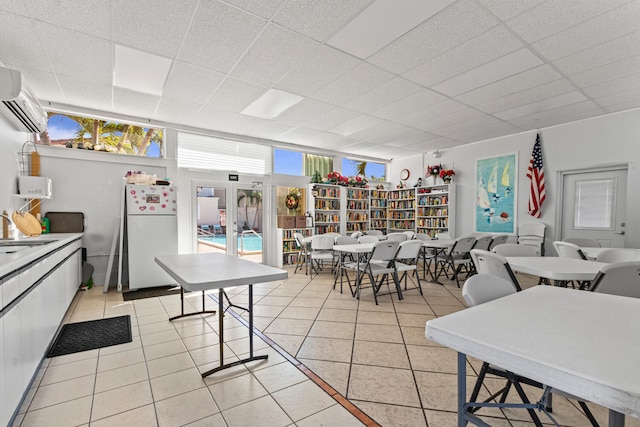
[252,243]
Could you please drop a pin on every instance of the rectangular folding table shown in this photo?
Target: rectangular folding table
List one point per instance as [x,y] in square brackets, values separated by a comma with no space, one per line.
[200,272]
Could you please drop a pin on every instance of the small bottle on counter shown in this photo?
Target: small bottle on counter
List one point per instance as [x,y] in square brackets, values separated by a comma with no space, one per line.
[44,222]
[5,225]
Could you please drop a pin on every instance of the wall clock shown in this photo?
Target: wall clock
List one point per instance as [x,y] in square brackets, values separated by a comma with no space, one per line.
[404,174]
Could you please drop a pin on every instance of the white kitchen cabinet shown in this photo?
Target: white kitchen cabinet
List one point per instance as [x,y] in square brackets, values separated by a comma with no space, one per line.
[3,394]
[13,388]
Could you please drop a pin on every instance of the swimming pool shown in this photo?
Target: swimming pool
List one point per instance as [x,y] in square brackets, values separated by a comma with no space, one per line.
[252,243]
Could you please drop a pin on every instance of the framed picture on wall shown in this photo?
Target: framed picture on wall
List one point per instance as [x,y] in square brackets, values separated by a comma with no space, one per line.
[496,181]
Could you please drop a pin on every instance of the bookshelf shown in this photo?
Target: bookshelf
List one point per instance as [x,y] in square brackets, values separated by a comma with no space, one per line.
[326,208]
[357,208]
[378,210]
[288,247]
[401,213]
[435,210]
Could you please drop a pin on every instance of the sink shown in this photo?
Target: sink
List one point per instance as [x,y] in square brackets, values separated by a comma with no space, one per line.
[6,249]
[23,243]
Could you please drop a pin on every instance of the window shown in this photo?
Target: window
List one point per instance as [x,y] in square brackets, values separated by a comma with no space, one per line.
[88,133]
[371,170]
[595,202]
[297,163]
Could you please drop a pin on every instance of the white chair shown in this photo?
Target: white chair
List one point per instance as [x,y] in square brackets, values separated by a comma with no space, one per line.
[345,261]
[621,278]
[500,239]
[321,251]
[483,242]
[618,255]
[583,242]
[356,234]
[495,264]
[512,249]
[380,263]
[374,233]
[443,236]
[458,257]
[407,260]
[533,234]
[302,251]
[568,250]
[368,239]
[398,237]
[483,288]
[427,256]
[410,234]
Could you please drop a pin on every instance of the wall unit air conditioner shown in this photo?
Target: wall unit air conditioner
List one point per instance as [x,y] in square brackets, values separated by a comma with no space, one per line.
[20,106]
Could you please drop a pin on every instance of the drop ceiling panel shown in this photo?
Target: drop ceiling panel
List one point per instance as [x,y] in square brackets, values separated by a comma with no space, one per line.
[169,109]
[18,47]
[332,118]
[303,111]
[387,93]
[460,22]
[271,130]
[235,95]
[458,118]
[191,83]
[162,29]
[361,79]
[219,35]
[543,105]
[88,18]
[610,26]
[127,102]
[355,125]
[384,132]
[420,118]
[273,54]
[622,107]
[621,97]
[318,19]
[309,76]
[613,87]
[409,104]
[16,7]
[76,90]
[263,8]
[607,72]
[568,113]
[45,84]
[548,90]
[71,51]
[508,9]
[485,48]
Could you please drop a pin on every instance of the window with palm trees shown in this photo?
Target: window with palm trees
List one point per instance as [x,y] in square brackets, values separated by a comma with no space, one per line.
[88,133]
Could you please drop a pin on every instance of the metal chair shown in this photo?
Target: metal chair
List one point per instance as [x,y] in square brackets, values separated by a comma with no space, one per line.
[621,278]
[457,257]
[533,234]
[407,260]
[302,251]
[321,251]
[495,264]
[380,263]
[427,256]
[344,261]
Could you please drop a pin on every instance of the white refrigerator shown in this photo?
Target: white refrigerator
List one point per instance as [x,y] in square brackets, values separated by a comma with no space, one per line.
[152,230]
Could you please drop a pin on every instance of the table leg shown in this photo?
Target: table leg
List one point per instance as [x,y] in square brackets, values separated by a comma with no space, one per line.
[190,314]
[436,252]
[462,389]
[616,419]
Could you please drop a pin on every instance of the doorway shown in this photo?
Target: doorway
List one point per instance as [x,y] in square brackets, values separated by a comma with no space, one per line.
[594,205]
[230,220]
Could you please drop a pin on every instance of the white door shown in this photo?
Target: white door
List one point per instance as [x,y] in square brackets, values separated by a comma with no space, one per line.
[594,206]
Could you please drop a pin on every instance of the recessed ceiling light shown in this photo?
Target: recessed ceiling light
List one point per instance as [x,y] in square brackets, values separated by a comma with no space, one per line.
[383,22]
[140,71]
[271,104]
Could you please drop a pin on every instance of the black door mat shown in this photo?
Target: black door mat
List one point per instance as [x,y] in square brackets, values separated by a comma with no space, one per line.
[83,336]
[159,291]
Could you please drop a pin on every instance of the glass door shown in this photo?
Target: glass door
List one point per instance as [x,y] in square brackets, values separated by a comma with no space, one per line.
[248,222]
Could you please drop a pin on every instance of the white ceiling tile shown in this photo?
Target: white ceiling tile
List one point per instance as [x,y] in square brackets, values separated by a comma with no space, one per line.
[71,50]
[623,107]
[91,17]
[303,111]
[331,118]
[96,95]
[309,76]
[191,83]
[263,8]
[543,105]
[275,52]
[388,92]
[607,72]
[613,87]
[235,95]
[545,91]
[384,132]
[606,53]
[565,114]
[272,130]
[381,23]
[479,129]
[313,138]
[506,66]
[510,85]
[617,23]
[20,45]
[356,125]
[485,48]
[457,119]
[508,9]
[460,22]
[140,71]
[554,16]
[162,29]
[13,6]
[219,35]
[422,118]
[628,95]
[210,118]
[318,19]
[409,104]
[356,82]
[419,138]
[136,104]
[43,84]
[174,110]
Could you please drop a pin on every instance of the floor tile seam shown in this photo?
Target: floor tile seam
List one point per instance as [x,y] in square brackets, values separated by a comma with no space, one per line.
[122,412]
[95,372]
[24,414]
[29,409]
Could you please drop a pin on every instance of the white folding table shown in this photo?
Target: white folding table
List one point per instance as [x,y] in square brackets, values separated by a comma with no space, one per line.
[524,333]
[561,270]
[200,272]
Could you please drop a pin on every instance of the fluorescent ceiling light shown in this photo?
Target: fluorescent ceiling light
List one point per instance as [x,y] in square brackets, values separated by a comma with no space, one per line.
[271,104]
[383,22]
[540,106]
[509,65]
[140,71]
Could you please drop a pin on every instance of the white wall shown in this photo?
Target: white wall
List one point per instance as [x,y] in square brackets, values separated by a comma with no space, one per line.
[607,140]
[11,142]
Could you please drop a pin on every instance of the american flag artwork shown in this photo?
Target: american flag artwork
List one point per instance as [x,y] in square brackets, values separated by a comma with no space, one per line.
[535,173]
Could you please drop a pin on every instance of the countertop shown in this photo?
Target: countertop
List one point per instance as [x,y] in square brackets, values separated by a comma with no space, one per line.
[13,261]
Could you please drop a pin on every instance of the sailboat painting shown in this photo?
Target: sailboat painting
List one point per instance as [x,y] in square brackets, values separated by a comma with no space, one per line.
[495,194]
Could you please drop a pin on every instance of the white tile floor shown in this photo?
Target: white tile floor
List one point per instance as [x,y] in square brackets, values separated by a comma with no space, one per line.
[374,355]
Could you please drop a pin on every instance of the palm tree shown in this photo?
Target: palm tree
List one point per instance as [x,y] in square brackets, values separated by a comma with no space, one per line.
[255,196]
